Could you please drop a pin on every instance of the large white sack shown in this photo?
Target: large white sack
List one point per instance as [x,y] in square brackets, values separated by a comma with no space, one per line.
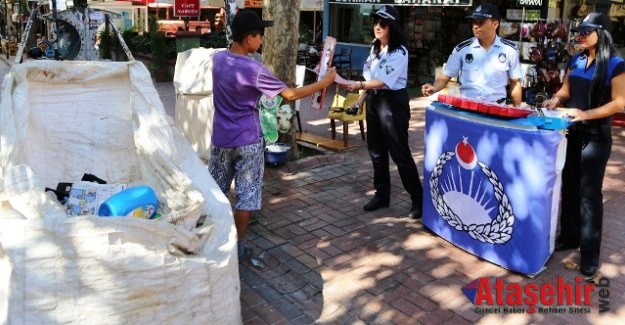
[193,83]
[62,119]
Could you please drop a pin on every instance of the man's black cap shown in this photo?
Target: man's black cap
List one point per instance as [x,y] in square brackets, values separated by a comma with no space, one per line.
[594,20]
[387,13]
[486,11]
[247,21]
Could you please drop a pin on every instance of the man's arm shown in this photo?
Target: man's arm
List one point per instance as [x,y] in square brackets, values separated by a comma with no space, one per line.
[440,83]
[516,92]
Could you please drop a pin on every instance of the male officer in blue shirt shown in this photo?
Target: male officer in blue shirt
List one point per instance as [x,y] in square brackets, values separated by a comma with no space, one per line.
[484,64]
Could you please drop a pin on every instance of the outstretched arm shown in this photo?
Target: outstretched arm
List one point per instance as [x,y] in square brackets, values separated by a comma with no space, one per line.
[441,81]
[292,94]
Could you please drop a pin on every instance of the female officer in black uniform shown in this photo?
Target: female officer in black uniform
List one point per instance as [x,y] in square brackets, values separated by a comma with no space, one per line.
[388,111]
[595,86]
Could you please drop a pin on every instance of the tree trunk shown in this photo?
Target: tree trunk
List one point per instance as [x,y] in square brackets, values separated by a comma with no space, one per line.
[280,48]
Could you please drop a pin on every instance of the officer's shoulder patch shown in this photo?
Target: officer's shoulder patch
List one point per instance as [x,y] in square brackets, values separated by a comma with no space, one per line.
[464,44]
[510,43]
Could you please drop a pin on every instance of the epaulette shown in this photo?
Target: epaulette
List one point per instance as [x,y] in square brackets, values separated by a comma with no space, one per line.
[464,44]
[510,43]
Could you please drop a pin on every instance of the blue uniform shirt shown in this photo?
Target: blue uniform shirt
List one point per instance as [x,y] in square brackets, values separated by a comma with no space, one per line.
[580,78]
[390,68]
[484,75]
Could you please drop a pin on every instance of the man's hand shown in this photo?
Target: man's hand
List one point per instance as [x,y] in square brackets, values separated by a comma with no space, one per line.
[329,77]
[427,89]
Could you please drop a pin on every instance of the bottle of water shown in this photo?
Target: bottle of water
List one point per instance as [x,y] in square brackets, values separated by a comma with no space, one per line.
[137,201]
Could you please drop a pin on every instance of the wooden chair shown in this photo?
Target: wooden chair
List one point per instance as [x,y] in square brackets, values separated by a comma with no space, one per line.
[12,47]
[337,112]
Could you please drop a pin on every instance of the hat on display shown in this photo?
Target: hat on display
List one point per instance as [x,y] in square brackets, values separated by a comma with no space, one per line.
[594,20]
[387,13]
[247,21]
[485,11]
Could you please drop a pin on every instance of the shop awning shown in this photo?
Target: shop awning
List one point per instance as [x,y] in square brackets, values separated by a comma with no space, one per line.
[311,5]
[211,3]
[412,3]
[305,5]
[161,4]
[215,4]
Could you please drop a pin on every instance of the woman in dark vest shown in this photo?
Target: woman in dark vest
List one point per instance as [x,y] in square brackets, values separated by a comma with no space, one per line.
[593,90]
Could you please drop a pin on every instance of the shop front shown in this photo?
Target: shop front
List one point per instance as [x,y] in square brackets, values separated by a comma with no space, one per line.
[433,28]
[430,27]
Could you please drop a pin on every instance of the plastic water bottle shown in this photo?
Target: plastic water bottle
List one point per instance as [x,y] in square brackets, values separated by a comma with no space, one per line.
[137,201]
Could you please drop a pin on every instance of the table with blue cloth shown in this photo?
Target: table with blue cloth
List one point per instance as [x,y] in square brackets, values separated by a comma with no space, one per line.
[492,185]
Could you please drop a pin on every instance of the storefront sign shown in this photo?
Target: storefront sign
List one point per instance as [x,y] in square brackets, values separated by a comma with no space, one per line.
[530,3]
[187,8]
[409,2]
[518,14]
[253,3]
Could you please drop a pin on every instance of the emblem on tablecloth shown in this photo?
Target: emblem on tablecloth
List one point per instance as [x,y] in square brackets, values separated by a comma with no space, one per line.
[465,196]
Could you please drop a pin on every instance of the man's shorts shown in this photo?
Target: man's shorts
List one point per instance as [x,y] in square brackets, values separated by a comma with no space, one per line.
[246,166]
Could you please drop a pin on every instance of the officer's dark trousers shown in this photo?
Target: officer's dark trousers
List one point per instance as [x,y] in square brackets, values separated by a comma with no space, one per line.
[581,218]
[388,114]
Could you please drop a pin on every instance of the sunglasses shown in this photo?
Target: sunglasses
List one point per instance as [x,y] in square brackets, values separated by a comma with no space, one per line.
[584,33]
[381,22]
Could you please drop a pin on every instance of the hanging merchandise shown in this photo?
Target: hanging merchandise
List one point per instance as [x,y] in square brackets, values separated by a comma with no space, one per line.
[539,31]
[548,56]
[283,117]
[269,123]
[584,9]
[560,31]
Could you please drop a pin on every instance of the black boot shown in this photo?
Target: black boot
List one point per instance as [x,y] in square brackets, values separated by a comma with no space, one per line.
[376,203]
[417,205]
[415,211]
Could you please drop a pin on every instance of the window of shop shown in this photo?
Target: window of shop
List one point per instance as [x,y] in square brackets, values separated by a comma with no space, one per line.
[351,23]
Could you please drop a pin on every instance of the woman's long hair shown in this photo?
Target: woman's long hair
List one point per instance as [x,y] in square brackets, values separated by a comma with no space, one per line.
[603,52]
[395,39]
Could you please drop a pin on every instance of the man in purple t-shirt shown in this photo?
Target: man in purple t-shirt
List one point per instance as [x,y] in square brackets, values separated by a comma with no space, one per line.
[237,145]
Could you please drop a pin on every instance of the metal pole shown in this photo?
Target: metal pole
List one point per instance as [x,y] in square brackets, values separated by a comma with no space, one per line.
[229,17]
[56,27]
[521,27]
[6,22]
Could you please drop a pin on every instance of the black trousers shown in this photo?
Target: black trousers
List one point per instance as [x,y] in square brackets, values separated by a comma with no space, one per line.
[388,114]
[581,218]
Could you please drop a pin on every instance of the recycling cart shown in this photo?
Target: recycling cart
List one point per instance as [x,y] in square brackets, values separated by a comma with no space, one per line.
[59,120]
[492,183]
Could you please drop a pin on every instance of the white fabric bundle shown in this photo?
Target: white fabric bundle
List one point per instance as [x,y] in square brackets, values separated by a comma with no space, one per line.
[193,82]
[59,120]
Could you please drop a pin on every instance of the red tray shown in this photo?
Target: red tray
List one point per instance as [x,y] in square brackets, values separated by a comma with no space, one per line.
[484,108]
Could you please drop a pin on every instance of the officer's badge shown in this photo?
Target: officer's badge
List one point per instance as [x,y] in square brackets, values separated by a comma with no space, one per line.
[502,57]
[389,69]
[468,58]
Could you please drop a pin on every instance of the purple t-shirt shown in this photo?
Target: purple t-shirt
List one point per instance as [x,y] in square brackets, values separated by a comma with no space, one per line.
[238,83]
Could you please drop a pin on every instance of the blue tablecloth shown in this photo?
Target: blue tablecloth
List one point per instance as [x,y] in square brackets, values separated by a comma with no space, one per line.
[492,186]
